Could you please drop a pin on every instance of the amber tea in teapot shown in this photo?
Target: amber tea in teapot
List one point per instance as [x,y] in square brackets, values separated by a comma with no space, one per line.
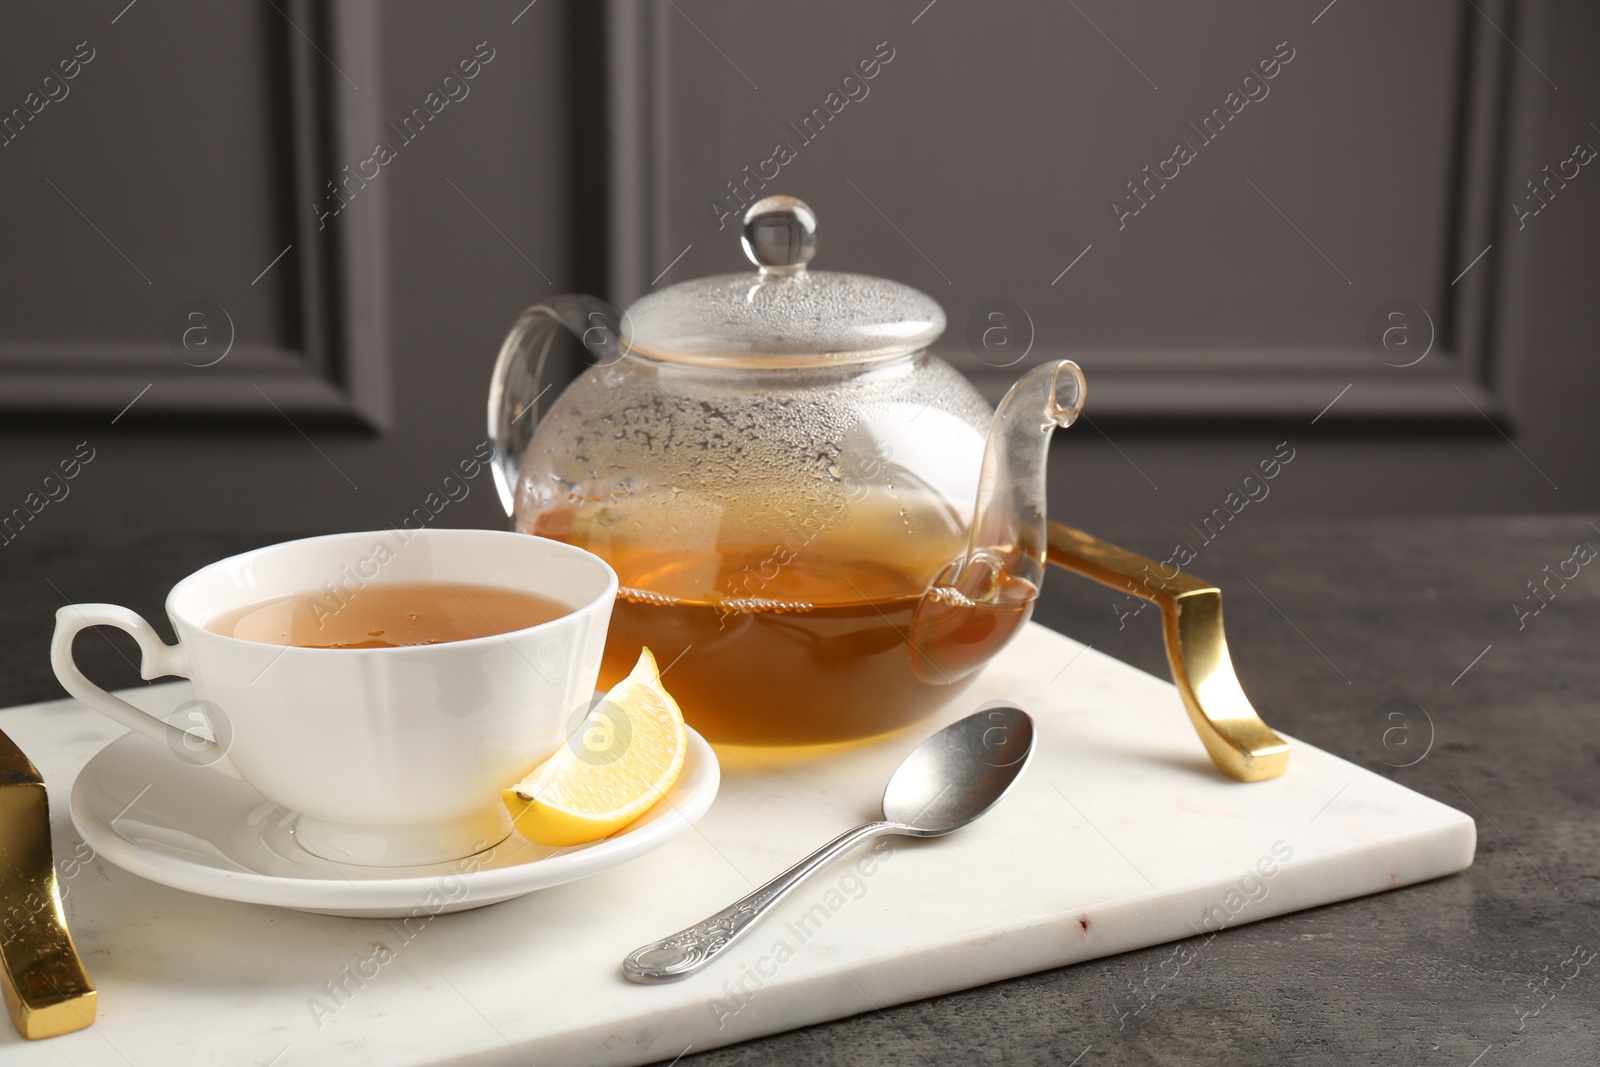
[773,645]
[819,527]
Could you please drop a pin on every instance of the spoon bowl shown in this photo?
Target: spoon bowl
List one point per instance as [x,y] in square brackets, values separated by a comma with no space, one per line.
[960,772]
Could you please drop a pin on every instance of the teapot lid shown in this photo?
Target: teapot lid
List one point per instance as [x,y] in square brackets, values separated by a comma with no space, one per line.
[784,315]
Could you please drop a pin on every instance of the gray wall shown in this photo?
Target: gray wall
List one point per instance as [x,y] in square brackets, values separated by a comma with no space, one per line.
[1221,319]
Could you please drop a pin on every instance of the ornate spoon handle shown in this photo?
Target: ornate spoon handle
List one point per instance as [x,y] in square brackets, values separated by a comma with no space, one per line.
[690,949]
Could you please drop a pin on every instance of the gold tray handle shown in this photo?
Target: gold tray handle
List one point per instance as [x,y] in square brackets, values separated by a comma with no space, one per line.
[46,990]
[1239,743]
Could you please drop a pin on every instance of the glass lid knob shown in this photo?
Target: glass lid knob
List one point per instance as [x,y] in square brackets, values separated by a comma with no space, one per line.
[780,234]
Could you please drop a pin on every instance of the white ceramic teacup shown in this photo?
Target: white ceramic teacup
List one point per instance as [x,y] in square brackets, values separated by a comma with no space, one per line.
[390,756]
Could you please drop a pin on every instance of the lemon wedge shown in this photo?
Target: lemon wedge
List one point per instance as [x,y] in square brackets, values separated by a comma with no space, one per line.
[625,756]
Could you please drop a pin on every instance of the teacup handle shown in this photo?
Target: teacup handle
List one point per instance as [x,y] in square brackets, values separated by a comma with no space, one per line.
[157,660]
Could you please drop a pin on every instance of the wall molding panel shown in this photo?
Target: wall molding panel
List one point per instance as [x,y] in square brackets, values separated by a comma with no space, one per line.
[339,369]
[653,220]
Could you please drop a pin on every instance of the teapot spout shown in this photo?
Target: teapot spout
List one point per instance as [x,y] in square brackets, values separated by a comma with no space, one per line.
[980,600]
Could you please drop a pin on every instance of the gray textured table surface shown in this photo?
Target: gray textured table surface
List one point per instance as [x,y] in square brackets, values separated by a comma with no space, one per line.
[1392,643]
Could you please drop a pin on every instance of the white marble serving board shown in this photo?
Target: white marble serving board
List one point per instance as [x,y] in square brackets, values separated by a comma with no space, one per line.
[1120,836]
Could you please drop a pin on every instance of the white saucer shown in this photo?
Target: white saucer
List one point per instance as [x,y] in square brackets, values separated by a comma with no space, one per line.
[147,811]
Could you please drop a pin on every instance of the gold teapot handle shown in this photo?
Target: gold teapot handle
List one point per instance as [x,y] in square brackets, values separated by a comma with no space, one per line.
[1239,743]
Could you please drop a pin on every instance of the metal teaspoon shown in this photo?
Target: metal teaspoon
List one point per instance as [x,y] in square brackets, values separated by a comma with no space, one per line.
[946,782]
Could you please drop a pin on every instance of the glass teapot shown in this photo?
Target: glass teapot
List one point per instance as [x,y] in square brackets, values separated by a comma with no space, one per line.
[819,527]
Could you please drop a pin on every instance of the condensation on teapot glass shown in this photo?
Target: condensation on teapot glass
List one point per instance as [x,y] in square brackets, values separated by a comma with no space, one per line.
[783,316]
